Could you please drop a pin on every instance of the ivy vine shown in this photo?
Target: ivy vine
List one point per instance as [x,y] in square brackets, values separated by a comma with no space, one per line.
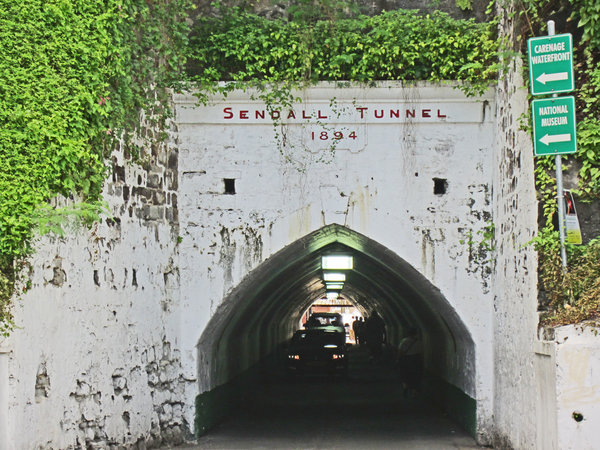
[74,76]
[330,41]
[573,295]
[241,47]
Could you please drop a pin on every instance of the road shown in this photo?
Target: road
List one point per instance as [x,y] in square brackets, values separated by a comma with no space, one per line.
[368,410]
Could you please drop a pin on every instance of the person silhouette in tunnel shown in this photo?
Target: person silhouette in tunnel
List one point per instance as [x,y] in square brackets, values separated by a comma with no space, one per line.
[354,332]
[375,334]
[360,331]
[410,362]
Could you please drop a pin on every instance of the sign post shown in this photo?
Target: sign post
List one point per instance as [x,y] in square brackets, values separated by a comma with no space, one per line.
[551,72]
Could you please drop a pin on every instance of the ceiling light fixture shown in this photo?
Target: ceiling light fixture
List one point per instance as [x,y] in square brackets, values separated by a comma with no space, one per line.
[334,276]
[337,262]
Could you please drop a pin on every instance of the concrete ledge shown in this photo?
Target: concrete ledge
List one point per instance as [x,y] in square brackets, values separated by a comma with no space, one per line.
[577,385]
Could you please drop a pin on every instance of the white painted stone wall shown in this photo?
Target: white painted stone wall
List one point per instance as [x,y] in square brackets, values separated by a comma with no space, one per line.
[94,358]
[518,371]
[577,350]
[379,184]
[4,393]
[515,276]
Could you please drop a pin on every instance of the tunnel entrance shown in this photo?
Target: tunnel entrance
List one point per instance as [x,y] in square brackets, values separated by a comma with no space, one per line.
[366,409]
[245,340]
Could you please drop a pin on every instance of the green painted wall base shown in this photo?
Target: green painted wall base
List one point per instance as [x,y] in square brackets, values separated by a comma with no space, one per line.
[214,405]
[459,406]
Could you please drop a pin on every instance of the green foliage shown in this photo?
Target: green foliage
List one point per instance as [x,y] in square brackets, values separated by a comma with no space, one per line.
[328,41]
[588,152]
[588,14]
[6,292]
[588,127]
[481,244]
[47,219]
[573,294]
[74,75]
[399,45]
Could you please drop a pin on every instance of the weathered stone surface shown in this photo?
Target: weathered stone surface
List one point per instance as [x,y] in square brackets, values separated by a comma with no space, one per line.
[514,276]
[577,363]
[95,318]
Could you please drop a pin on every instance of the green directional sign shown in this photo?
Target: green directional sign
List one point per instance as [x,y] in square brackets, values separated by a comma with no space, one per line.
[554,126]
[551,64]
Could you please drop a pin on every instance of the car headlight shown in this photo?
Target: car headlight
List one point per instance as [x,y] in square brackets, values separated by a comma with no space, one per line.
[293,356]
[337,356]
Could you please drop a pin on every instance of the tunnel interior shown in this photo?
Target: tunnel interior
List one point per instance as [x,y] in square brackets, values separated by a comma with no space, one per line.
[260,315]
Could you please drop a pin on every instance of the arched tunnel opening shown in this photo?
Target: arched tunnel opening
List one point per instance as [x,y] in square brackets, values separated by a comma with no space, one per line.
[244,344]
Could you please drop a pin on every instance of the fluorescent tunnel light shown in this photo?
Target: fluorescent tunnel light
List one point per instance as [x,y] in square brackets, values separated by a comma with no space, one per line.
[334,276]
[337,262]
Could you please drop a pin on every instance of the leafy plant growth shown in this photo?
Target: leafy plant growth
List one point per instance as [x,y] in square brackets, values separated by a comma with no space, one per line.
[241,48]
[74,76]
[572,295]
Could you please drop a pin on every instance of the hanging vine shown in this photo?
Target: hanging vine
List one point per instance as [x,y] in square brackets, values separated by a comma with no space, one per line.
[74,76]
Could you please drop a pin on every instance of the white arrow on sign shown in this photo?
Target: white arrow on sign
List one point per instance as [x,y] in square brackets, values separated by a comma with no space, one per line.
[559,76]
[553,138]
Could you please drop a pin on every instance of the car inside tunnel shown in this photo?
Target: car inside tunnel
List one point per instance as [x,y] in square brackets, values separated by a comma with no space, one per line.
[243,348]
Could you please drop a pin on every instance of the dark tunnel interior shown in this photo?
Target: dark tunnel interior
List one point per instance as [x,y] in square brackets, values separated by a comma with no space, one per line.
[260,315]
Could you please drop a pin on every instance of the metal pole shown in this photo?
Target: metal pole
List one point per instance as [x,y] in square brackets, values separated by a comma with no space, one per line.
[560,195]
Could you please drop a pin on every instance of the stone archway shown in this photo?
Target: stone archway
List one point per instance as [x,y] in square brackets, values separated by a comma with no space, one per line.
[260,314]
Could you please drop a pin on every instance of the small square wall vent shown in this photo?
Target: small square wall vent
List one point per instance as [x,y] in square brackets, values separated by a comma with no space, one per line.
[229,185]
[440,186]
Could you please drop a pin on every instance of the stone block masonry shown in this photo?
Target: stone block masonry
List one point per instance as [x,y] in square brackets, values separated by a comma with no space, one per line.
[516,412]
[94,361]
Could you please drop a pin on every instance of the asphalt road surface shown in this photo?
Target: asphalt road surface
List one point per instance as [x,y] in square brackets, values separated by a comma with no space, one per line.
[366,410]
